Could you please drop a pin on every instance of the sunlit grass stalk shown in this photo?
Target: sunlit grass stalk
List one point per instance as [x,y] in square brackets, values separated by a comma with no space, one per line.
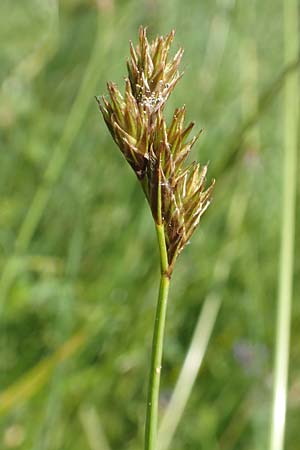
[291,97]
[189,371]
[157,153]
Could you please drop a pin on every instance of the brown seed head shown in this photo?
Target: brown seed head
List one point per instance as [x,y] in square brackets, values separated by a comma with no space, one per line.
[157,153]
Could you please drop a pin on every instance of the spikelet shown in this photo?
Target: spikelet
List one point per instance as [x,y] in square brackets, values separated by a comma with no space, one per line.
[157,153]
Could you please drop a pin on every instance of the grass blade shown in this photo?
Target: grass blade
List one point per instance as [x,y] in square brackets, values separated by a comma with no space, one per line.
[291,98]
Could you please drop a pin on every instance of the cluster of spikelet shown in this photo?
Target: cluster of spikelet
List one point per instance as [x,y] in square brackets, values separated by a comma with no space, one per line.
[176,193]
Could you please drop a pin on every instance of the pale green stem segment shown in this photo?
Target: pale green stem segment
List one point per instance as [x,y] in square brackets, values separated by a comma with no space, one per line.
[157,345]
[291,35]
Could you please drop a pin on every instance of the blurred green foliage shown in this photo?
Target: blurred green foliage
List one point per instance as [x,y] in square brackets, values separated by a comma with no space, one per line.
[77,245]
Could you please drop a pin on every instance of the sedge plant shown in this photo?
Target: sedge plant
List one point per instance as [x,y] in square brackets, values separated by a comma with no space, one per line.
[157,153]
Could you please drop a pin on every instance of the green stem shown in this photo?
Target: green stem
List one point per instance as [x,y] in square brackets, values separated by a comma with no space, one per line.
[157,345]
[280,385]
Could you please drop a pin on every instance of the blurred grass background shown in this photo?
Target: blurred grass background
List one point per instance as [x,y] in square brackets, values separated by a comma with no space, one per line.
[78,254]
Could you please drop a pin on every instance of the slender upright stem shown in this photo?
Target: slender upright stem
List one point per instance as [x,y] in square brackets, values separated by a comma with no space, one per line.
[157,345]
[291,35]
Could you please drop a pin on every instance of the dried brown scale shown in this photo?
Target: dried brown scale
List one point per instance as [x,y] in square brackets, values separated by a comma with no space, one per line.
[176,193]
